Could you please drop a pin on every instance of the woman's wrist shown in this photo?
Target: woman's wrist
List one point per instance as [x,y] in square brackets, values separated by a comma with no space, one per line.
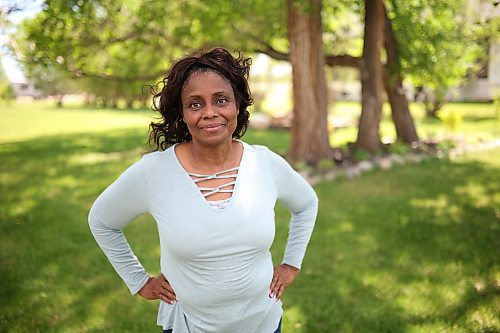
[141,291]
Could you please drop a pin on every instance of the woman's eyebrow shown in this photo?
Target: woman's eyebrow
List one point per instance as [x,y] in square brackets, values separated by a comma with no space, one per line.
[217,93]
[193,96]
[224,92]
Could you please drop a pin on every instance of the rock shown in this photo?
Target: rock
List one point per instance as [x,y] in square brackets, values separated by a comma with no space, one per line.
[352,171]
[384,163]
[414,158]
[366,165]
[397,159]
[329,175]
[314,179]
[304,173]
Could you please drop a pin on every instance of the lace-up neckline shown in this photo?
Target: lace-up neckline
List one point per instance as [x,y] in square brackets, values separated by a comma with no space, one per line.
[216,190]
[227,187]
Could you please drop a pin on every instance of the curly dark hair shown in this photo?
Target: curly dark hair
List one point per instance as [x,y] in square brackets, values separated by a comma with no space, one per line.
[171,129]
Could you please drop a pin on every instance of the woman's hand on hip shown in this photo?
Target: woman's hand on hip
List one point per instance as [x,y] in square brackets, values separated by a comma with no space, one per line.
[158,287]
[283,276]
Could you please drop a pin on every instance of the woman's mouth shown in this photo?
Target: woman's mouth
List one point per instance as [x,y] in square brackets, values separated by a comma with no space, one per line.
[212,127]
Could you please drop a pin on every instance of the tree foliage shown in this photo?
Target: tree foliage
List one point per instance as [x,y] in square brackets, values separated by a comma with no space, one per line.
[6,91]
[438,43]
[111,49]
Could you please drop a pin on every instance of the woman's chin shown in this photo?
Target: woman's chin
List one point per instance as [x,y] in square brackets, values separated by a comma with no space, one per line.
[211,138]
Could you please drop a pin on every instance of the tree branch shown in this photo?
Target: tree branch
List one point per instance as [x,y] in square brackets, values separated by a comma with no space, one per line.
[154,76]
[343,60]
[273,53]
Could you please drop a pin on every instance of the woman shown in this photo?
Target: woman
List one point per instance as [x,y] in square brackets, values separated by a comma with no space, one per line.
[213,199]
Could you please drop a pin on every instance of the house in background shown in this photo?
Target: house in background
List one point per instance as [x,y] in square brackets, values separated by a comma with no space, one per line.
[482,89]
[26,90]
[487,86]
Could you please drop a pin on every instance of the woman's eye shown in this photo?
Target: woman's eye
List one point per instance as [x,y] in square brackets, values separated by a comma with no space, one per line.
[195,105]
[222,100]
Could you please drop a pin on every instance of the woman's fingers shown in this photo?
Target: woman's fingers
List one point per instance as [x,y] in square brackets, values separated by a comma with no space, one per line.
[282,278]
[166,285]
[276,283]
[166,292]
[280,292]
[167,296]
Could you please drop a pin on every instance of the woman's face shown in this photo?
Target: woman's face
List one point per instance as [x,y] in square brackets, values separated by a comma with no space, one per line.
[209,108]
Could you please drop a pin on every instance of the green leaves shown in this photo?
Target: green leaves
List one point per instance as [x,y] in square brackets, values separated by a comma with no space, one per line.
[133,42]
[434,40]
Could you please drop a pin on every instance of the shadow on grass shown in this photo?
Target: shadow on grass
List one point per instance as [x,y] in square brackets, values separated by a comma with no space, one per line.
[413,247]
[52,271]
[472,118]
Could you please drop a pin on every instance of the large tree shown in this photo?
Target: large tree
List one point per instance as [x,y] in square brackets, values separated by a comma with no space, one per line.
[116,47]
[110,48]
[310,140]
[437,42]
[393,83]
[371,77]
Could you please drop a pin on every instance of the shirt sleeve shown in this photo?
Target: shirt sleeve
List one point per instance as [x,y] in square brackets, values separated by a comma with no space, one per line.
[302,202]
[117,206]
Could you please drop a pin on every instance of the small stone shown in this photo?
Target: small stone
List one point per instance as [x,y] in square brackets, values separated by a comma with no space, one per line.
[304,173]
[352,172]
[384,163]
[398,159]
[330,175]
[414,158]
[313,180]
[366,165]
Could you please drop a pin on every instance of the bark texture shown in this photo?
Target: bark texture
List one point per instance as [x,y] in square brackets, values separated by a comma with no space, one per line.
[371,77]
[310,140]
[393,82]
[343,60]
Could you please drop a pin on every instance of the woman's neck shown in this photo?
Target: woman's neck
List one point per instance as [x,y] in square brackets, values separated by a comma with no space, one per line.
[214,158]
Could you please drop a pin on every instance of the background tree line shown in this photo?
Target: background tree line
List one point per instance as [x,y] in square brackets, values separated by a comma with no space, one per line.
[111,49]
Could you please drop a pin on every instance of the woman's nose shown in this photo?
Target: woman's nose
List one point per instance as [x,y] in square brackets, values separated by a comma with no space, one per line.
[209,111]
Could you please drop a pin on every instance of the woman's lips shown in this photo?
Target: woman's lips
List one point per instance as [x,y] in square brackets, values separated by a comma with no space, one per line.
[212,127]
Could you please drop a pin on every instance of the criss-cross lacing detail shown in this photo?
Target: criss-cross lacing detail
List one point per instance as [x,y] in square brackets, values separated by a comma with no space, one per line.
[225,174]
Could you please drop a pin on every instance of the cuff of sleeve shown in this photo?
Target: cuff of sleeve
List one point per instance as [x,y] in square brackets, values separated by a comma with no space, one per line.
[137,287]
[291,263]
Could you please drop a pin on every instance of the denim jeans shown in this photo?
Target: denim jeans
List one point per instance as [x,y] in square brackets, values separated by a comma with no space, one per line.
[278,330]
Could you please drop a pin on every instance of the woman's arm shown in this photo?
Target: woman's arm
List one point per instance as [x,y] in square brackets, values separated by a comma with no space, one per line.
[301,200]
[117,206]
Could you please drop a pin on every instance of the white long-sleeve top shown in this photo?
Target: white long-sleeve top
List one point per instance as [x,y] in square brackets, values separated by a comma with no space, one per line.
[217,261]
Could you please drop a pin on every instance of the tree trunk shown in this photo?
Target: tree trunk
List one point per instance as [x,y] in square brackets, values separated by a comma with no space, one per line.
[371,77]
[393,82]
[59,100]
[310,140]
[433,101]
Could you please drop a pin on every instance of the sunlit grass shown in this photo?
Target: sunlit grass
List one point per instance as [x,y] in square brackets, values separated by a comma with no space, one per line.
[24,121]
[481,122]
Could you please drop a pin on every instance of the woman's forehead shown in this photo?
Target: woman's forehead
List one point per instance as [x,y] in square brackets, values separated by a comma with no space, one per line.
[206,80]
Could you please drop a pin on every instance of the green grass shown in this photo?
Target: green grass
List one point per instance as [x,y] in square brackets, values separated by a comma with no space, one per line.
[481,122]
[414,249]
[25,121]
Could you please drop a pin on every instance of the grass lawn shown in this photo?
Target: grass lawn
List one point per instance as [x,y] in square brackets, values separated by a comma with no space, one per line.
[480,122]
[413,249]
